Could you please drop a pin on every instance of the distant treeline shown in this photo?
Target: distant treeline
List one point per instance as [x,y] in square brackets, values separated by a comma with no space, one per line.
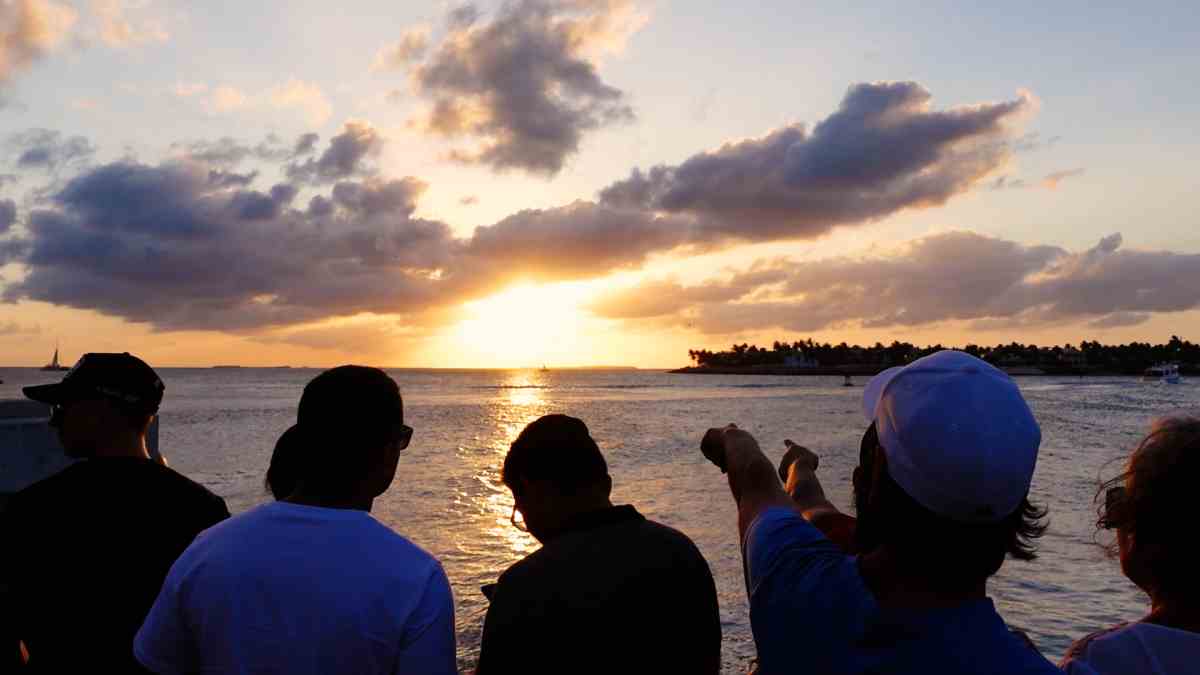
[1131,358]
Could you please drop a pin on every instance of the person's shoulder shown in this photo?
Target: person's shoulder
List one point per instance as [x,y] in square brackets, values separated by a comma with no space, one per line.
[1079,649]
[51,487]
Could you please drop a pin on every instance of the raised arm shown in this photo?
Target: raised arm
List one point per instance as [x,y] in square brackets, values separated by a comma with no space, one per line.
[752,477]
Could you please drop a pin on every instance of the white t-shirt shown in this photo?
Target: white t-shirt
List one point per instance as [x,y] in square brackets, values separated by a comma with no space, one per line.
[294,589]
[1135,649]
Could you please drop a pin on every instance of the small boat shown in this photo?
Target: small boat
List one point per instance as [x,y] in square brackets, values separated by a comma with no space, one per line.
[1165,373]
[54,365]
[848,382]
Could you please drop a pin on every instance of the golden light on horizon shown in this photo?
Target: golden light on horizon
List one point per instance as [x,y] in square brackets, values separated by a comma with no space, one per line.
[523,326]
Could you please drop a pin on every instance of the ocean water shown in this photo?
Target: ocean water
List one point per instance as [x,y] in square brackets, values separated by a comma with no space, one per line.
[219,426]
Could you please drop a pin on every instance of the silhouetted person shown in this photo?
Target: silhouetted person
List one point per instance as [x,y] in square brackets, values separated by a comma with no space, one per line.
[1153,508]
[312,583]
[941,499]
[609,591]
[86,550]
[283,473]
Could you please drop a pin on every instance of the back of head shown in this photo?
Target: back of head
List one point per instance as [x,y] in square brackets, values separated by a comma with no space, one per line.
[1158,506]
[957,446]
[558,451]
[347,415]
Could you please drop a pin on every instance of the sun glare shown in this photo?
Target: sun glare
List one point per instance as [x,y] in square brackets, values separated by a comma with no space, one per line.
[524,326]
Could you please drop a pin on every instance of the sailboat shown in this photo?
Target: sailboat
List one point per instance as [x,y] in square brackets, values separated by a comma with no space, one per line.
[54,365]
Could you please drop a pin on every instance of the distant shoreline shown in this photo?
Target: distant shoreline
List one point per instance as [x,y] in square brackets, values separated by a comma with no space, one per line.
[869,371]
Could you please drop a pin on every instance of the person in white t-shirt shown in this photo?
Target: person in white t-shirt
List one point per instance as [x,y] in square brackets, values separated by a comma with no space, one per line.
[1153,508]
[312,583]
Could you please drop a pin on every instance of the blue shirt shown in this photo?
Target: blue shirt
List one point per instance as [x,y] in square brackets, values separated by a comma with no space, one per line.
[811,612]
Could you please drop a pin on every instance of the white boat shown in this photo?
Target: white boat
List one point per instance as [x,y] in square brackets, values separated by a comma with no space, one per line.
[1166,373]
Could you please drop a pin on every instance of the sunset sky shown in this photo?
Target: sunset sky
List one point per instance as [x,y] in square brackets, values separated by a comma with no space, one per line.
[590,182]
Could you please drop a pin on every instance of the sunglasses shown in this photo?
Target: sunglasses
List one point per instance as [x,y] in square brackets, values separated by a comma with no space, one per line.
[1114,503]
[518,523]
[403,436]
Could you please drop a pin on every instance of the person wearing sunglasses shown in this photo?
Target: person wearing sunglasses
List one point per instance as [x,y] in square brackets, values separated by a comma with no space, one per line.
[312,583]
[608,587]
[941,498]
[1151,507]
[86,550]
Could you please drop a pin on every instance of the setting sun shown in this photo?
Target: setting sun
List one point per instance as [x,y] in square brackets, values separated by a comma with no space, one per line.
[523,326]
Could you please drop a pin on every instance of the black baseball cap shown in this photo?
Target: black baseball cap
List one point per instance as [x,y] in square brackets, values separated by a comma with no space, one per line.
[123,378]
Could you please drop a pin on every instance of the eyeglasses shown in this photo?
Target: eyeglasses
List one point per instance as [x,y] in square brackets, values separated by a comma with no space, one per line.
[1114,503]
[518,523]
[404,436]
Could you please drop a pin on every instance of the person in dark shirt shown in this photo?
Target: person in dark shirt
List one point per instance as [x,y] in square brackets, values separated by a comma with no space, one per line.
[609,591]
[86,550]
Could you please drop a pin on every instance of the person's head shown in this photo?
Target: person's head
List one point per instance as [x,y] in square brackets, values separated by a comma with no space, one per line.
[104,404]
[555,471]
[1152,506]
[347,438]
[283,474]
[945,469]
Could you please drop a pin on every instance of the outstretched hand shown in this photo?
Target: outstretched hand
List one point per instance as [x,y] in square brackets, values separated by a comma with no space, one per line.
[806,458]
[712,446]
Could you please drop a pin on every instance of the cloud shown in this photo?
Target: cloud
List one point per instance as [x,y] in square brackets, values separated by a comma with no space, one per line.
[1052,181]
[48,150]
[305,144]
[188,89]
[30,29]
[8,214]
[410,47]
[883,151]
[355,245]
[1120,320]
[163,244]
[225,99]
[14,328]
[344,158]
[525,84]
[468,200]
[951,276]
[305,96]
[119,31]
[227,152]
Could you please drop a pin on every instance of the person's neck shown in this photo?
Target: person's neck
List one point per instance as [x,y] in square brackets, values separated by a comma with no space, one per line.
[1181,616]
[571,512]
[303,497]
[128,446]
[893,587]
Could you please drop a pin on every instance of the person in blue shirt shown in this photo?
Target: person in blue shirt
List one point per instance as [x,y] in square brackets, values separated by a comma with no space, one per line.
[941,496]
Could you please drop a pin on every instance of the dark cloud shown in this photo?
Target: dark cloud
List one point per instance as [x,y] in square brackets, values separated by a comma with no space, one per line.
[8,214]
[525,83]
[463,16]
[14,328]
[1006,182]
[944,277]
[7,178]
[468,200]
[228,152]
[305,145]
[162,244]
[883,151]
[222,179]
[48,149]
[344,158]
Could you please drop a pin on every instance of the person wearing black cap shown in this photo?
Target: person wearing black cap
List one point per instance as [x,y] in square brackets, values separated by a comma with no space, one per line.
[86,550]
[608,587]
[311,583]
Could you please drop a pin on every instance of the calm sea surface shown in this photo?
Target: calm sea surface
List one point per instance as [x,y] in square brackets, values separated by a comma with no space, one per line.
[219,426]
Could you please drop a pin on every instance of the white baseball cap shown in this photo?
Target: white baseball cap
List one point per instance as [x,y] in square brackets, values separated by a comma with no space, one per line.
[958,436]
